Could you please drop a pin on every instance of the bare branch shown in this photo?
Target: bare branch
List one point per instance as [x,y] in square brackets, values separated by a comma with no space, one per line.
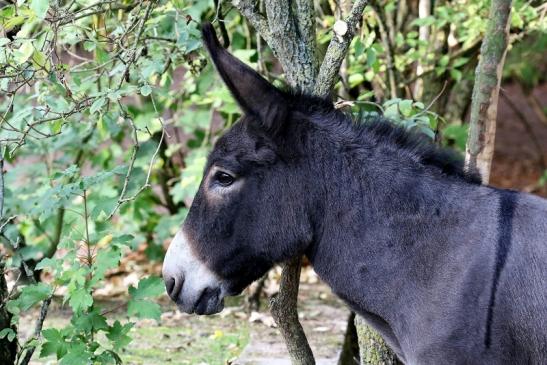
[338,47]
[390,65]
[122,198]
[37,329]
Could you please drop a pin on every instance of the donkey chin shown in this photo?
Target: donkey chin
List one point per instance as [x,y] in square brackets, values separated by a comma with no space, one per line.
[189,283]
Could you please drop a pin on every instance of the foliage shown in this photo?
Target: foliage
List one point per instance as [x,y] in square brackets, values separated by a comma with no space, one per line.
[108,110]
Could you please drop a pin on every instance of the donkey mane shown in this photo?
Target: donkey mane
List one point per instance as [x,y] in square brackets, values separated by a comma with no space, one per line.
[381,132]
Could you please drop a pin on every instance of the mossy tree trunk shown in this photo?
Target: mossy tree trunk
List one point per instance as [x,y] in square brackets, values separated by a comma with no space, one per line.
[288,27]
[372,348]
[484,104]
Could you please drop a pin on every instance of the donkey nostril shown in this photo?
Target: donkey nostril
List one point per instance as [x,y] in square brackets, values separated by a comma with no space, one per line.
[173,286]
[169,284]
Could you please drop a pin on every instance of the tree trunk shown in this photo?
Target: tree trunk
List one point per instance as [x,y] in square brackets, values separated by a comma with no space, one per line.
[8,349]
[424,11]
[350,348]
[283,307]
[372,348]
[484,104]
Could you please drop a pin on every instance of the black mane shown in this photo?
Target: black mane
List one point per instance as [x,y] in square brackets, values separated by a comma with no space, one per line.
[380,131]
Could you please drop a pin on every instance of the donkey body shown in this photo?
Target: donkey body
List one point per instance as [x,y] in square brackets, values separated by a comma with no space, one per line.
[449,271]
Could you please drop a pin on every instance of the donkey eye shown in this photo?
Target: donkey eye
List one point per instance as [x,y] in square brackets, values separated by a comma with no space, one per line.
[223,178]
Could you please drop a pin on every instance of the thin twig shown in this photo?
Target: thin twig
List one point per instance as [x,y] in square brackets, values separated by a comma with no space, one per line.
[38,329]
[122,198]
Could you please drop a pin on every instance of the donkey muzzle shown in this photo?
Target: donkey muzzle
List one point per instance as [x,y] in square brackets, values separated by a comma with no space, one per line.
[189,283]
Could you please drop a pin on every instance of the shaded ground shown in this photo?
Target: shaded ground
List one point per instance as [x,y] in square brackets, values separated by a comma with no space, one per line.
[219,339]
[324,319]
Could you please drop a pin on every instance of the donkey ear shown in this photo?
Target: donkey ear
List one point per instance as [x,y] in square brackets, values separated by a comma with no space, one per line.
[255,95]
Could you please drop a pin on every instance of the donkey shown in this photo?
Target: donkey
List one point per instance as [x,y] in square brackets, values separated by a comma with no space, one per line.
[447,270]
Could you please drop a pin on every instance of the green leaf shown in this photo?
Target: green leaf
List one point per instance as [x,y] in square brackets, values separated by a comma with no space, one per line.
[92,321]
[150,287]
[9,333]
[191,176]
[48,263]
[117,334]
[456,74]
[444,60]
[146,90]
[102,206]
[77,355]
[371,57]
[369,40]
[144,309]
[106,259]
[358,47]
[97,105]
[40,8]
[13,22]
[405,106]
[33,294]
[124,239]
[428,20]
[24,52]
[355,79]
[55,343]
[39,60]
[460,61]
[80,299]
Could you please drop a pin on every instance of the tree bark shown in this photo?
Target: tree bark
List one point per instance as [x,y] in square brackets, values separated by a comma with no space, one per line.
[8,349]
[424,10]
[372,348]
[350,348]
[283,307]
[484,104]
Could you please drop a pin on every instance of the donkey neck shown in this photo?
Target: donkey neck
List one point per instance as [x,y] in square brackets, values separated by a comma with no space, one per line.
[388,230]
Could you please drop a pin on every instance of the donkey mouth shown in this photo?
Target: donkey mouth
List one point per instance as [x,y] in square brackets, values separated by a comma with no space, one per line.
[208,302]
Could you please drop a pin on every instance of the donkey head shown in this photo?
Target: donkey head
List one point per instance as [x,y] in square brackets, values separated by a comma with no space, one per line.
[245,216]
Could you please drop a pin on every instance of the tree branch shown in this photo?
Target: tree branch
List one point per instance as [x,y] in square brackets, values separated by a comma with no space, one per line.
[249,9]
[37,330]
[390,65]
[337,50]
[484,105]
